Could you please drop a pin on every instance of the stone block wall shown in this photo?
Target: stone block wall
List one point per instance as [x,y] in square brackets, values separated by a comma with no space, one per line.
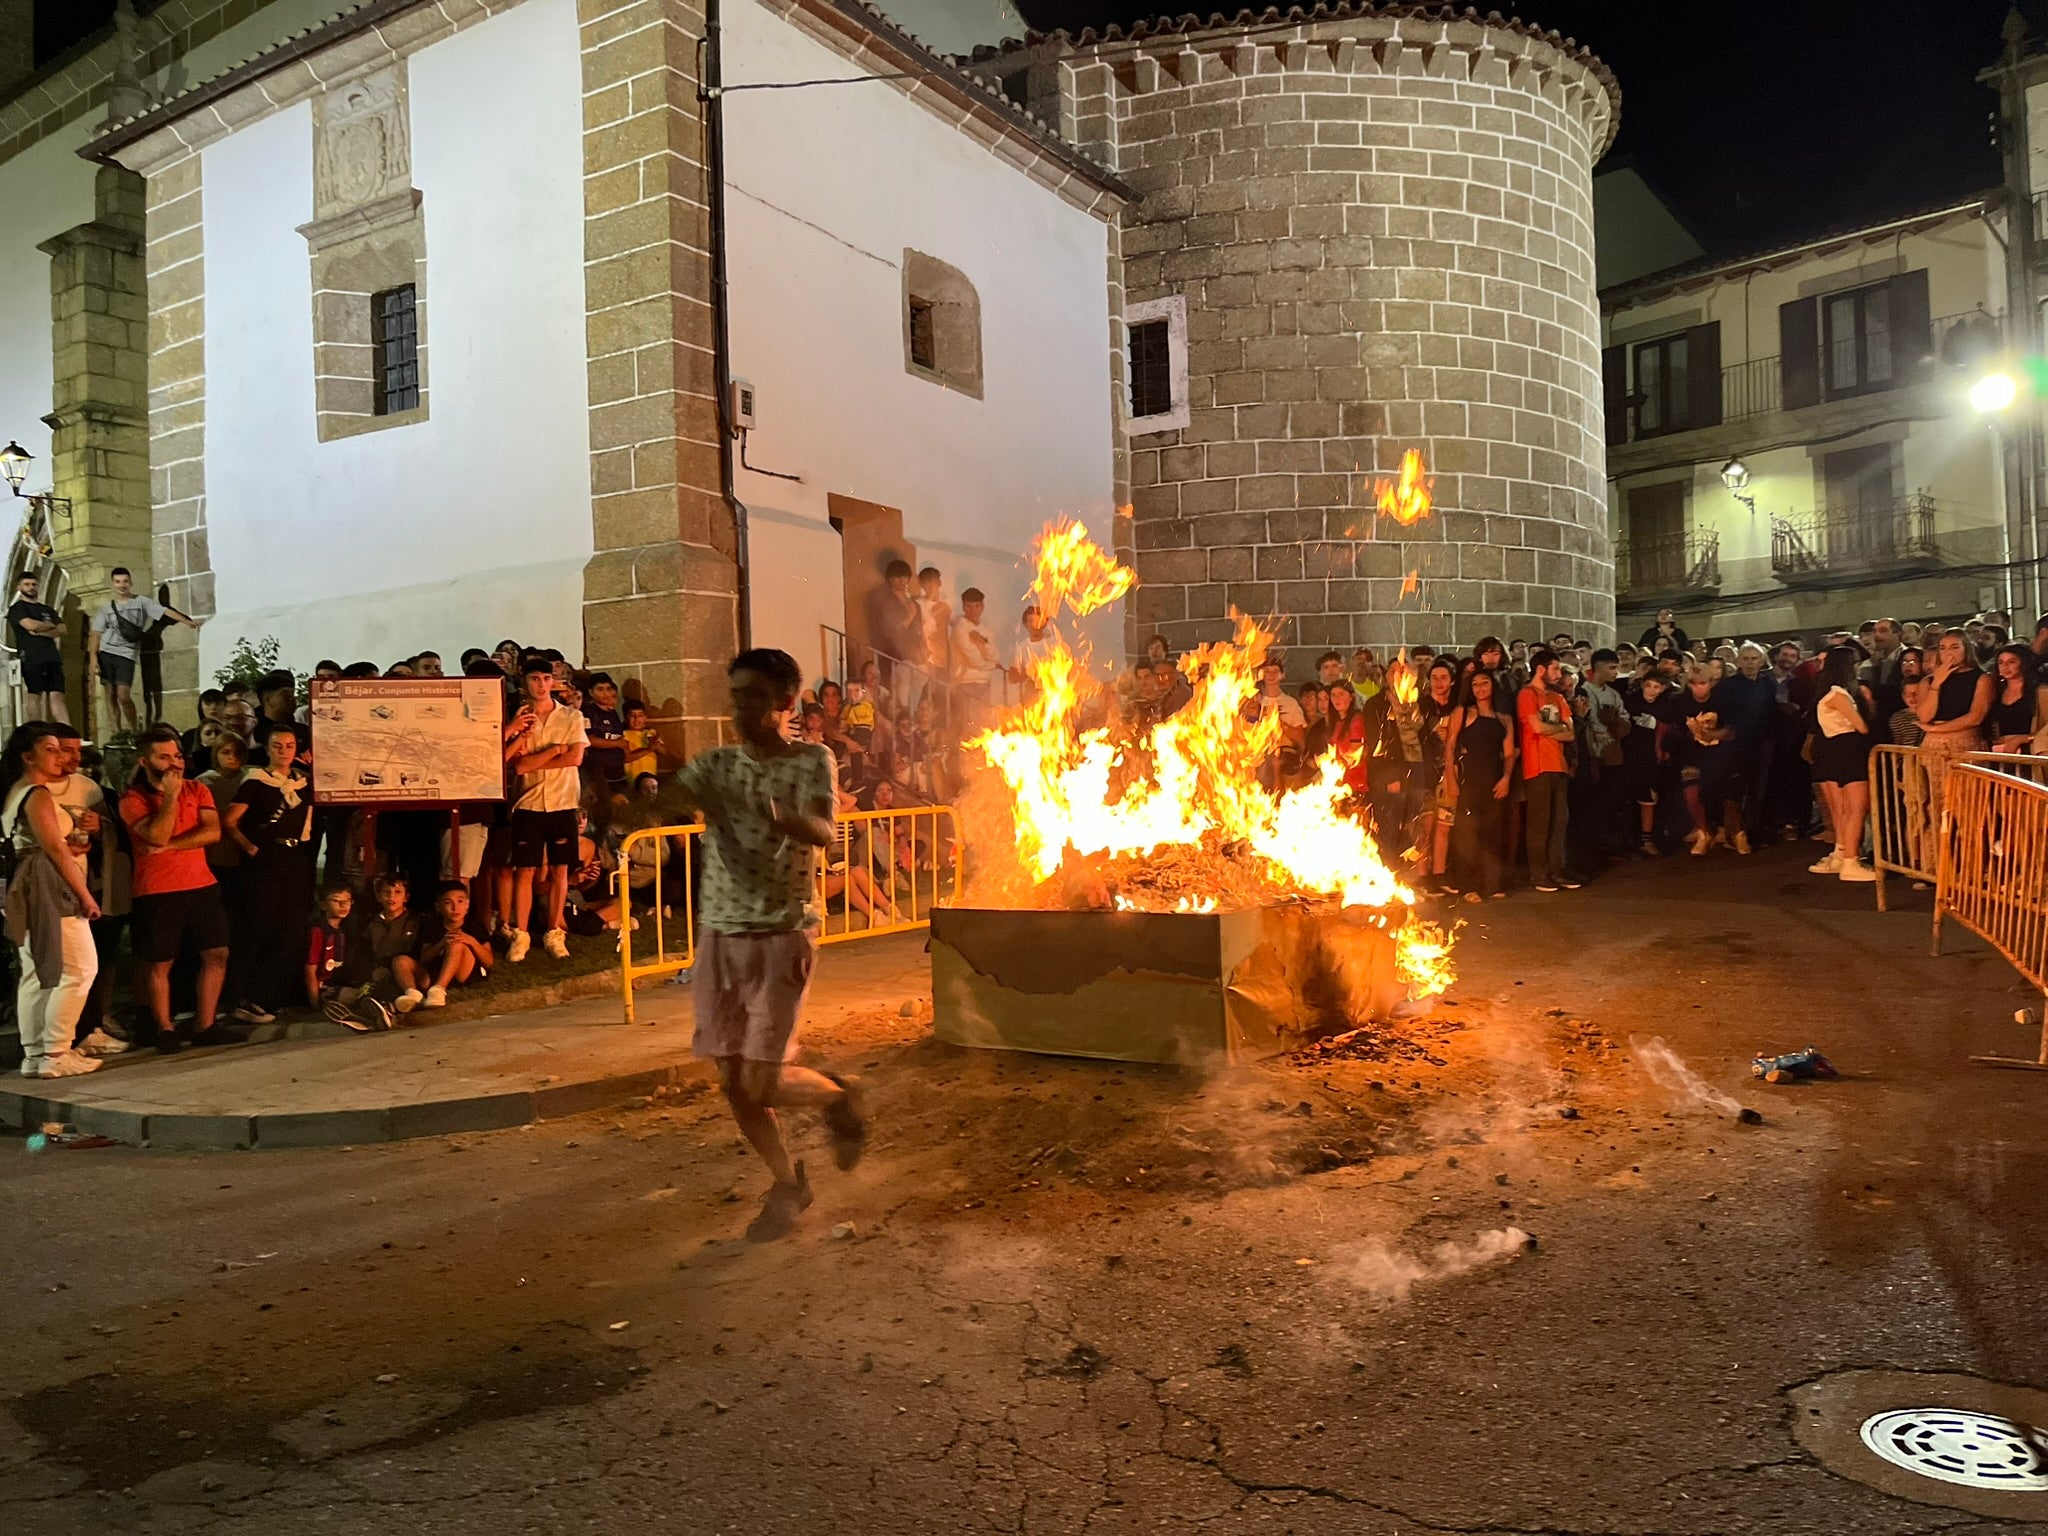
[1383,228]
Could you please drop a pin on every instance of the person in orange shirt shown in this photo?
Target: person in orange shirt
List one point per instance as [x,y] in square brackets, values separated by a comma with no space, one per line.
[1545,717]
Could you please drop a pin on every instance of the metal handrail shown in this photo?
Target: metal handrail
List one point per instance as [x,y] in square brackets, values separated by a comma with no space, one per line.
[1868,533]
[1669,562]
[916,873]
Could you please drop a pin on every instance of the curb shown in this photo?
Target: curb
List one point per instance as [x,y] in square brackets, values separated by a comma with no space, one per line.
[342,1127]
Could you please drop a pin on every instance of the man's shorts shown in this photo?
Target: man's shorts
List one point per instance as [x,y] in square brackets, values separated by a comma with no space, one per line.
[117,671]
[749,992]
[543,837]
[166,924]
[467,857]
[43,676]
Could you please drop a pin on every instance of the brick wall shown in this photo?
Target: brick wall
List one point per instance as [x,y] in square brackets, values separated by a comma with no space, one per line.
[1384,232]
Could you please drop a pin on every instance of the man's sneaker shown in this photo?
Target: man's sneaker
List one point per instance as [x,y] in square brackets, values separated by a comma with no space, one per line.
[71,1064]
[100,1043]
[1856,872]
[408,1000]
[343,1015]
[253,1013]
[437,997]
[780,1208]
[1570,884]
[1831,864]
[522,941]
[1650,850]
[1742,842]
[845,1124]
[556,942]
[373,1012]
[1548,890]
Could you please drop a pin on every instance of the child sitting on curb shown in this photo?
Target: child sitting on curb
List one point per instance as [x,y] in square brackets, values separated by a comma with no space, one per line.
[451,956]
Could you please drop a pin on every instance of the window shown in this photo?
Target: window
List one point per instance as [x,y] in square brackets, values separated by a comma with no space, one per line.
[923,349]
[941,324]
[1156,365]
[1662,386]
[1656,537]
[1856,339]
[395,337]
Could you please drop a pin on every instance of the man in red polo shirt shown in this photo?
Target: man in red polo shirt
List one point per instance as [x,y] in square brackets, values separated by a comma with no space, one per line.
[1546,720]
[176,899]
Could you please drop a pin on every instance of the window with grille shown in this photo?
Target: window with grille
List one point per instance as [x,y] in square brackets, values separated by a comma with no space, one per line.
[924,346]
[1156,364]
[395,338]
[1151,369]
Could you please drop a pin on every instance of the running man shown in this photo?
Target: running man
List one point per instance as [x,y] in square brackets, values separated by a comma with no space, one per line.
[767,806]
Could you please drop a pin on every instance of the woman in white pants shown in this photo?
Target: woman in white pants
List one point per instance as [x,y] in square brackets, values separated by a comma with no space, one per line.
[49,908]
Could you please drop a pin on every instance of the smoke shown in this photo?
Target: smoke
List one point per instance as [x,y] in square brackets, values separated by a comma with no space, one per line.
[1387,1275]
[1669,1072]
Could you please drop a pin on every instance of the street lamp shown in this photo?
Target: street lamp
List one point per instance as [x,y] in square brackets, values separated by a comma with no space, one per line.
[1994,393]
[1735,475]
[14,465]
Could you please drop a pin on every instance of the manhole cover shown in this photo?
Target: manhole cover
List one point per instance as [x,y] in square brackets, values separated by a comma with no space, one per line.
[1956,1445]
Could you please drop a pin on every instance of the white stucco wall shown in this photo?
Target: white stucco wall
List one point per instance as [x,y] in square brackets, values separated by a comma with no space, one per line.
[829,185]
[48,189]
[475,524]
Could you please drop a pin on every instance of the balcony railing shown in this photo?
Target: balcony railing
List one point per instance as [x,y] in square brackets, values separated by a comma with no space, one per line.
[1668,565]
[1813,544]
[1756,388]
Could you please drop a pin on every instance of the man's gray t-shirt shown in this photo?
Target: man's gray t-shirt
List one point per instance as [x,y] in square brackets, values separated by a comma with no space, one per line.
[757,878]
[141,612]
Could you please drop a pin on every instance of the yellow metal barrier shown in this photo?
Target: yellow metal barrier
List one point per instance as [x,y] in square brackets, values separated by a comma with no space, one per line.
[1901,831]
[1993,872]
[645,876]
[885,873]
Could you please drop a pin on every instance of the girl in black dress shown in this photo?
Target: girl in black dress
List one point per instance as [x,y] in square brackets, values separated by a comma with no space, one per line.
[1481,749]
[271,820]
[2015,699]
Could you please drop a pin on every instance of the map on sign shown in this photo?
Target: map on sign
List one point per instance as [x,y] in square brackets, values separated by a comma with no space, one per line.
[386,741]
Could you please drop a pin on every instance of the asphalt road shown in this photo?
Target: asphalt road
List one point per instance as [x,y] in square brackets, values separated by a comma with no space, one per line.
[1077,1298]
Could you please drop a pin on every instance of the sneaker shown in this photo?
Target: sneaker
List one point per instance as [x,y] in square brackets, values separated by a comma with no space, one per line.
[1699,842]
[521,942]
[1649,850]
[1548,890]
[252,1013]
[556,942]
[169,1042]
[780,1208]
[1829,865]
[845,1124]
[437,997]
[373,1013]
[1742,843]
[341,1014]
[100,1043]
[71,1064]
[1856,871]
[408,1000]
[1572,885]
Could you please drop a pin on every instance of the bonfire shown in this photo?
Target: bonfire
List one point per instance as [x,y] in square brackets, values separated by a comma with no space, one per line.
[1174,817]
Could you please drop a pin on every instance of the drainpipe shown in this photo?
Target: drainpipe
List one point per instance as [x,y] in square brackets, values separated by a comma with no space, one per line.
[711,93]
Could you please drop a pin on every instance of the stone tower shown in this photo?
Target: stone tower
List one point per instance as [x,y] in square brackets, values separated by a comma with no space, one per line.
[1379,222]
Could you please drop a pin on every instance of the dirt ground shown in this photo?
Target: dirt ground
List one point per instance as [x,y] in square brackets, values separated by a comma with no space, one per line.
[1481,1272]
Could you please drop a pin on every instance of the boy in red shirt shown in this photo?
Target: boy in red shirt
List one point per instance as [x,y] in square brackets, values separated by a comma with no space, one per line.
[1545,716]
[177,901]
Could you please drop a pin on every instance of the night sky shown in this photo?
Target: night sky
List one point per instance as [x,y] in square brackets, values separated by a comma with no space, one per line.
[1759,123]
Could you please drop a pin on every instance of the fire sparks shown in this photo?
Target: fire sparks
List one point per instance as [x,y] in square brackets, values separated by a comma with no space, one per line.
[1406,500]
[1186,790]
[1411,583]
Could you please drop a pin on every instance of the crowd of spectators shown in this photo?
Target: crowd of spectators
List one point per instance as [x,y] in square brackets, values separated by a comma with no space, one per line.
[209,876]
[1553,760]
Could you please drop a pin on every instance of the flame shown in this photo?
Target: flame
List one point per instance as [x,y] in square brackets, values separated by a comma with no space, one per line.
[1186,785]
[1422,957]
[1406,500]
[1403,679]
[1128,509]
[1411,583]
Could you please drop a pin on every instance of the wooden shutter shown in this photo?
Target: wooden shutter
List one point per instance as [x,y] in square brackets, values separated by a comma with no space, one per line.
[1614,391]
[1799,352]
[1703,375]
[1912,338]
